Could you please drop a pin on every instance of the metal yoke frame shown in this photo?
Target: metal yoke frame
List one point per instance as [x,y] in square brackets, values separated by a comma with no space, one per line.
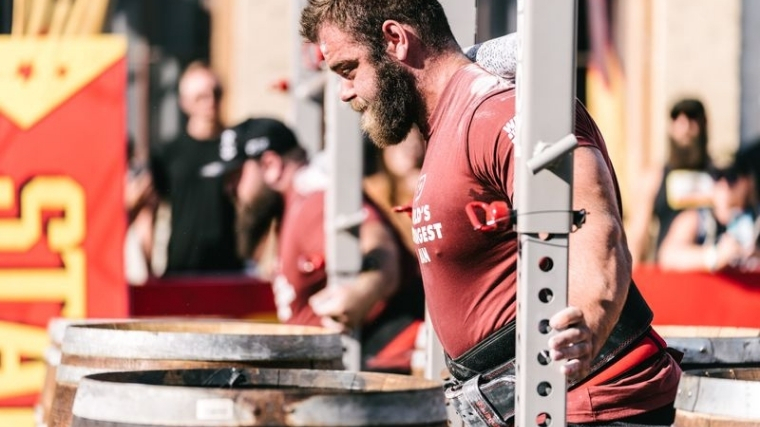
[543,193]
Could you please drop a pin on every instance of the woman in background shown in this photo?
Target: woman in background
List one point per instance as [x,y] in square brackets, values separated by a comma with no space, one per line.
[680,183]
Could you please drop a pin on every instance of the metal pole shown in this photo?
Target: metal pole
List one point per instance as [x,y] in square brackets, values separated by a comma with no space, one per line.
[343,201]
[545,110]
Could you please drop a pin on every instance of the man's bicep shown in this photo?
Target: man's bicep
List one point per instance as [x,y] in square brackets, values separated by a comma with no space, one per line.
[600,264]
[593,186]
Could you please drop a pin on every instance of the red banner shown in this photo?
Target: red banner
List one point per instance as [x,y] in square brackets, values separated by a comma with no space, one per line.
[62,219]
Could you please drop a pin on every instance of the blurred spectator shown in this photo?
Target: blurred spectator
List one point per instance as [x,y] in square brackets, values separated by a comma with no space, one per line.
[722,236]
[258,208]
[681,183]
[392,183]
[188,173]
[386,300]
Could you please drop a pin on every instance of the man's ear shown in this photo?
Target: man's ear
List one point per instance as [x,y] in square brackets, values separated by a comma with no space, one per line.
[396,40]
[272,167]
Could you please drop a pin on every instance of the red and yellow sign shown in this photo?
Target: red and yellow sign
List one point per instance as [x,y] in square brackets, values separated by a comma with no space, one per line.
[62,219]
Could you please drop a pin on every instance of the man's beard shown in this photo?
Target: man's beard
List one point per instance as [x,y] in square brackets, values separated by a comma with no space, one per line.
[395,109]
[254,220]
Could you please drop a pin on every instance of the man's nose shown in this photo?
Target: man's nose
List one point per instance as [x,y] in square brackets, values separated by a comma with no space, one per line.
[347,92]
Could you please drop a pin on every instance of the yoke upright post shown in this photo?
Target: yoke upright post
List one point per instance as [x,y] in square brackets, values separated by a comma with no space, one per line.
[545,116]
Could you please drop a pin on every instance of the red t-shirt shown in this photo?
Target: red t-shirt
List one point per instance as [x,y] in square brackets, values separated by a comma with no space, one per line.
[469,276]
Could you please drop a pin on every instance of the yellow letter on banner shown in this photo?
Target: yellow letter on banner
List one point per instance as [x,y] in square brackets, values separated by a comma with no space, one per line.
[19,378]
[64,236]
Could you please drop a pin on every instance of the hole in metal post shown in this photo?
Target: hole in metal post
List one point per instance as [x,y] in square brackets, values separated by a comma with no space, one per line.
[543,326]
[544,389]
[545,295]
[543,419]
[545,264]
[544,358]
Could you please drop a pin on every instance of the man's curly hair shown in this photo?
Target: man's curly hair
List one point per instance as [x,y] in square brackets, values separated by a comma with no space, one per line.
[363,20]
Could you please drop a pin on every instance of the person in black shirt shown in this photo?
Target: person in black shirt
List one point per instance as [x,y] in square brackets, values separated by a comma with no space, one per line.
[188,173]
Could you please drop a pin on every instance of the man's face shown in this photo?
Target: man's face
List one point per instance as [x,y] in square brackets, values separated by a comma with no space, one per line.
[385,93]
[200,94]
[684,130]
[250,183]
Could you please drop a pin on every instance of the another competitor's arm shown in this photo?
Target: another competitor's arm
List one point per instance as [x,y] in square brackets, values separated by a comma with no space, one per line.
[346,307]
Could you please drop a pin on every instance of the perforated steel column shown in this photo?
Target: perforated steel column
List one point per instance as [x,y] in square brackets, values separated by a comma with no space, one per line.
[545,109]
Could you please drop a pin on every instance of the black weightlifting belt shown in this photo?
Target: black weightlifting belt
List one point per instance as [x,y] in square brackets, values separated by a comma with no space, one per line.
[484,375]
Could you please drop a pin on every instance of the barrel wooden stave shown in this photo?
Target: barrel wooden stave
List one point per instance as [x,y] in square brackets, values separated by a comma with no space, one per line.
[56,329]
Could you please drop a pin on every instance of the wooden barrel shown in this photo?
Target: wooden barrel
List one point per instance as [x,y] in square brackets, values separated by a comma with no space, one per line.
[56,329]
[725,397]
[185,344]
[257,397]
[707,347]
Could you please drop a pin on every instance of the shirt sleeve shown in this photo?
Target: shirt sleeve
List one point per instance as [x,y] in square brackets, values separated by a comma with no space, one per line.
[491,139]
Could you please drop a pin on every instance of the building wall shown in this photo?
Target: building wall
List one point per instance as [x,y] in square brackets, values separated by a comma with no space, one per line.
[251,48]
[696,52]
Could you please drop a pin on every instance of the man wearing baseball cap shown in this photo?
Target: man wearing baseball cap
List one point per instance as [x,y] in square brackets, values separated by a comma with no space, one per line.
[276,182]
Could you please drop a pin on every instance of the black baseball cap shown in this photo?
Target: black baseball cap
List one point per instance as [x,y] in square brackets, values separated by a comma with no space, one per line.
[251,138]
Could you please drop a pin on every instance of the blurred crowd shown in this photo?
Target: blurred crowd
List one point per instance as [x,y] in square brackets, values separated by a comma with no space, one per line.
[698,215]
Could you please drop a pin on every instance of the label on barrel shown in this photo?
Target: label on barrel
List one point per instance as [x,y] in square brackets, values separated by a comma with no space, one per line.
[214,409]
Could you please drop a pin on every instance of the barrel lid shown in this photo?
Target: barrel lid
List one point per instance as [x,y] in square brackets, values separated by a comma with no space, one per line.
[202,339]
